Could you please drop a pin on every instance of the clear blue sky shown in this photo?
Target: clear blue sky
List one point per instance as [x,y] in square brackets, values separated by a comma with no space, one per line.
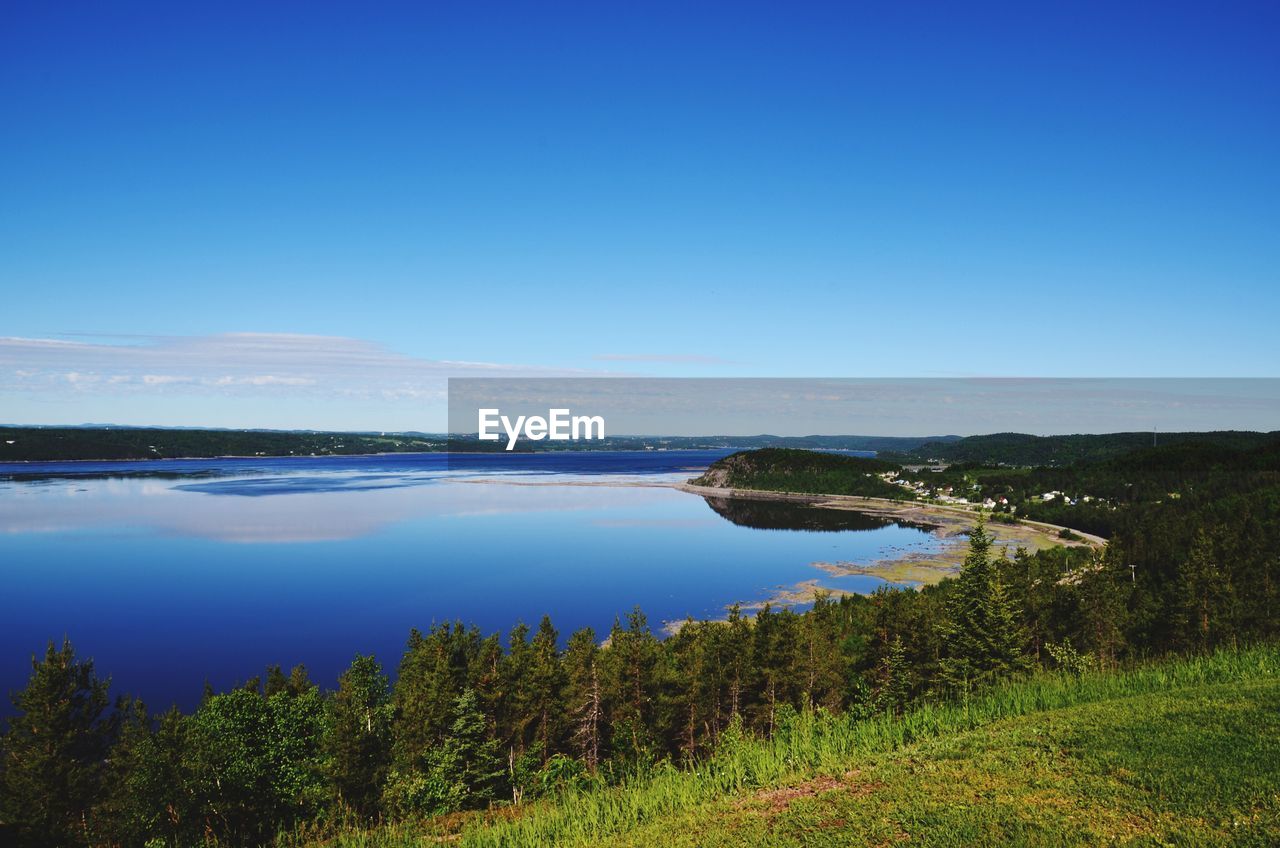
[740,189]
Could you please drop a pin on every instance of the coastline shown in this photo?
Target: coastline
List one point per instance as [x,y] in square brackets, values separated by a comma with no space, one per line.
[948,523]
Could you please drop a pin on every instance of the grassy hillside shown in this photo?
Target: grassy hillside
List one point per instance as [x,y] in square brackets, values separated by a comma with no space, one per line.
[790,470]
[1183,752]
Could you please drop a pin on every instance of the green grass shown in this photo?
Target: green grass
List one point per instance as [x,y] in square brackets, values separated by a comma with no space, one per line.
[1197,766]
[1185,752]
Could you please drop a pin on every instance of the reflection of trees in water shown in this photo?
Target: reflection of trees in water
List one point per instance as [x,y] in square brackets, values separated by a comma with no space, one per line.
[782,515]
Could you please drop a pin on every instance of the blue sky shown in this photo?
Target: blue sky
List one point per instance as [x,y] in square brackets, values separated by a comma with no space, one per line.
[299,214]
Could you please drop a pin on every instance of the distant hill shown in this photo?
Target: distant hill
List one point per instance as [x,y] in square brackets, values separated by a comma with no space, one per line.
[20,444]
[788,470]
[1027,450]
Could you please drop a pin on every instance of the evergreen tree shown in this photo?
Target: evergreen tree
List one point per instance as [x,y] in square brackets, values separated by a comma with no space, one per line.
[632,655]
[486,676]
[1099,591]
[358,744]
[516,710]
[776,672]
[893,692]
[470,759]
[546,690]
[982,637]
[585,698]
[147,782]
[1201,590]
[688,685]
[822,662]
[433,672]
[54,750]
[734,652]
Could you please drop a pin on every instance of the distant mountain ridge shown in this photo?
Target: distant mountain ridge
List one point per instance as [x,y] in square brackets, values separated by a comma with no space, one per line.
[1057,451]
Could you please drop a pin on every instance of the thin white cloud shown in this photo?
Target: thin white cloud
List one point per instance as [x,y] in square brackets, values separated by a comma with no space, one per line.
[237,363]
[677,358]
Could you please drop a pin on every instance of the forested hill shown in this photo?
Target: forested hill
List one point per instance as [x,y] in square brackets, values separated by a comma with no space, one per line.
[787,470]
[23,444]
[1027,450]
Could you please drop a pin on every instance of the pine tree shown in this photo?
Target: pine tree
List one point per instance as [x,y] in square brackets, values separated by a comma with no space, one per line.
[585,695]
[822,663]
[516,711]
[147,792]
[54,750]
[433,673]
[546,690]
[894,686]
[776,671]
[735,649]
[359,741]
[1200,591]
[688,687]
[470,759]
[632,656]
[1100,594]
[982,637]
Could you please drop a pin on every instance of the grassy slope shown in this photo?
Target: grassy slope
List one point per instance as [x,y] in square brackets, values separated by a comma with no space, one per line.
[1195,766]
[1185,752]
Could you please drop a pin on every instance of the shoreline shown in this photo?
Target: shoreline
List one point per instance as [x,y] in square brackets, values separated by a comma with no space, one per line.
[948,523]
[920,512]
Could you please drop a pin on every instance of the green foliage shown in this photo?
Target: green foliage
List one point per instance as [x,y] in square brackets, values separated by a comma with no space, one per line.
[256,761]
[1026,450]
[358,742]
[54,750]
[1067,658]
[894,691]
[982,637]
[463,773]
[148,775]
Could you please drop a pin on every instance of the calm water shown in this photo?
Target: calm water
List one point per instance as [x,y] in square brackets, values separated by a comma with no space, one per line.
[170,573]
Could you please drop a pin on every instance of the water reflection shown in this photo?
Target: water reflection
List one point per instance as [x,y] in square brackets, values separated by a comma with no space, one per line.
[169,581]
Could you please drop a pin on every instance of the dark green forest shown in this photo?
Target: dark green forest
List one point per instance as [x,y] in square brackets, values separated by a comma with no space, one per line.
[480,721]
[801,471]
[1026,450]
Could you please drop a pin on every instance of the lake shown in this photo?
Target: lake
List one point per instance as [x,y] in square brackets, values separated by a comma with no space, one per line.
[173,572]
